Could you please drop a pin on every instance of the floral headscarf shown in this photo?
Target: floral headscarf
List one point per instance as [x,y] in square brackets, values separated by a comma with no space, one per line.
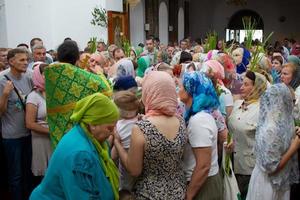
[125,68]
[201,88]
[274,134]
[260,86]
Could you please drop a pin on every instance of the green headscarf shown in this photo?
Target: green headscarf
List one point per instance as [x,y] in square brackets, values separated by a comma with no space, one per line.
[293,59]
[98,109]
[143,63]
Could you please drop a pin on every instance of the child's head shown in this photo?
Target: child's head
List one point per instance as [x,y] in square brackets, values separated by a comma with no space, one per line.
[125,195]
[127,103]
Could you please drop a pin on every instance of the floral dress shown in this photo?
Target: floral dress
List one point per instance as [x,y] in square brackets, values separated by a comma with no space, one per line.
[162,176]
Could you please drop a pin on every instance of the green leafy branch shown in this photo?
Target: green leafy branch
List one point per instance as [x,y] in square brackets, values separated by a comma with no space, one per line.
[249,27]
[99,17]
[93,44]
[258,53]
[126,46]
[211,43]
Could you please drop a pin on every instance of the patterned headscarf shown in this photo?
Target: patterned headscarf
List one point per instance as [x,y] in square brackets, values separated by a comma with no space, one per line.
[159,94]
[201,89]
[260,86]
[125,68]
[98,109]
[214,68]
[229,67]
[274,134]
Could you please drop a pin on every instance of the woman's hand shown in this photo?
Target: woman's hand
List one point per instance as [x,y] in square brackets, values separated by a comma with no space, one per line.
[229,147]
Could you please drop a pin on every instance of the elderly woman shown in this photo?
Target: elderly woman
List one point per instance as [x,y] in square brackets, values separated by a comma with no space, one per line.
[201,154]
[242,124]
[157,143]
[276,167]
[81,167]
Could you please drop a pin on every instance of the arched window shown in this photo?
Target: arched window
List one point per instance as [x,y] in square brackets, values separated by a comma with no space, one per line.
[235,29]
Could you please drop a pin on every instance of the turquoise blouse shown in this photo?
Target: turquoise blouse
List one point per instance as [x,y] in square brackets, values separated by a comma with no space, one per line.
[74,171]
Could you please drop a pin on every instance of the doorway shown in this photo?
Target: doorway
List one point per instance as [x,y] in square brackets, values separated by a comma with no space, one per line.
[235,29]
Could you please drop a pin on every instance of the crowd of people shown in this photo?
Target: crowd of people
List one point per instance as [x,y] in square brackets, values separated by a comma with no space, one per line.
[153,124]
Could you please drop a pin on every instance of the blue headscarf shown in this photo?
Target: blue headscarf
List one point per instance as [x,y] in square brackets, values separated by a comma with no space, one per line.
[201,88]
[242,67]
[124,83]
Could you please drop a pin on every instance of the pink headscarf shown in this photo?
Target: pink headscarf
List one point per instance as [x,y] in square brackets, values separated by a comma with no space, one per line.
[159,94]
[38,79]
[214,67]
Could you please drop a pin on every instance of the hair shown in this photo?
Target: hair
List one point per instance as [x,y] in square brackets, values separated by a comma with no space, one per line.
[127,103]
[101,42]
[42,67]
[150,38]
[156,39]
[117,49]
[67,38]
[2,66]
[184,40]
[292,66]
[3,49]
[32,41]
[164,67]
[279,58]
[13,52]
[68,52]
[141,45]
[23,45]
[184,57]
[38,46]
[251,75]
[191,65]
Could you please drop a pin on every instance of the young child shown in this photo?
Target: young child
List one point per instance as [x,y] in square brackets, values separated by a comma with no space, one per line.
[128,105]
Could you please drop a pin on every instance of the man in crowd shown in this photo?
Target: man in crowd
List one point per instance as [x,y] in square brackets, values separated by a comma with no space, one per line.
[38,54]
[3,56]
[39,41]
[150,50]
[101,46]
[118,54]
[15,84]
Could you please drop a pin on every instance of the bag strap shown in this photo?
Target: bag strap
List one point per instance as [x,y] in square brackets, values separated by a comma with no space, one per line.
[16,91]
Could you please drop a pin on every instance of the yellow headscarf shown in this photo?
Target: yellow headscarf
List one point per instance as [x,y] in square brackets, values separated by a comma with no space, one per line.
[98,109]
[260,86]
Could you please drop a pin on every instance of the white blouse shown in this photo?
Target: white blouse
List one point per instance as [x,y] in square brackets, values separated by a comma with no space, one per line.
[242,124]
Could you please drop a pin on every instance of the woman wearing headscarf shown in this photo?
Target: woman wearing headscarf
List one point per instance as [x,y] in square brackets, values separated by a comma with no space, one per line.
[123,67]
[143,63]
[241,57]
[201,154]
[290,75]
[215,71]
[36,121]
[276,165]
[157,143]
[81,167]
[242,123]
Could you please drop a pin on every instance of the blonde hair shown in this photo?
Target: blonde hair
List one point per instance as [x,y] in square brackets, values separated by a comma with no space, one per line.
[127,103]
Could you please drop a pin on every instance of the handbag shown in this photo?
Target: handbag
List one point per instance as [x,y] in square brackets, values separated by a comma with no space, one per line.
[231,189]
